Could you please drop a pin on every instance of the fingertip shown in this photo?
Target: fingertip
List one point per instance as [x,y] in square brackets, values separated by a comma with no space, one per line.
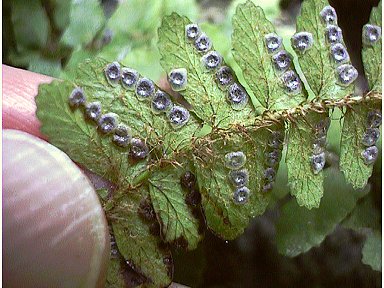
[19,90]
[54,229]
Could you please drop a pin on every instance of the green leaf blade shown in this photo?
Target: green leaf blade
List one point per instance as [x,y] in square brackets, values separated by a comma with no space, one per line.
[250,52]
[372,55]
[202,92]
[168,198]
[304,184]
[316,63]
[224,217]
[136,243]
[351,161]
[68,130]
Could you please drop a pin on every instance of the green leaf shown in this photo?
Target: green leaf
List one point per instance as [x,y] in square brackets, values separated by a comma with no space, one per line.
[168,199]
[115,278]
[304,184]
[223,216]
[372,57]
[372,251]
[156,129]
[70,131]
[250,52]
[300,229]
[34,33]
[136,243]
[202,92]
[351,161]
[86,19]
[365,215]
[316,63]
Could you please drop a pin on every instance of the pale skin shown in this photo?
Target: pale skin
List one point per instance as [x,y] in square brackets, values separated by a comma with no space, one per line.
[19,90]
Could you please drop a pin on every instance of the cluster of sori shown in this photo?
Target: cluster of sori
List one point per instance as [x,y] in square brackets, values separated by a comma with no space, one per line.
[108,123]
[272,159]
[371,34]
[318,157]
[346,73]
[371,135]
[213,63]
[145,89]
[282,62]
[238,176]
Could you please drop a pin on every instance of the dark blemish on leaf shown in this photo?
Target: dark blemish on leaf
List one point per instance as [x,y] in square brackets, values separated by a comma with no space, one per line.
[146,211]
[188,180]
[154,229]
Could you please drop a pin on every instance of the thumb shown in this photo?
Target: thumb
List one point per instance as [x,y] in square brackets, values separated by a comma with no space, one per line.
[54,230]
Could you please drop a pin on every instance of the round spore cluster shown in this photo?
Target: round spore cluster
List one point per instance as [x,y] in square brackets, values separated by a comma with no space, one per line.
[213,62]
[238,176]
[272,159]
[370,137]
[319,144]
[346,74]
